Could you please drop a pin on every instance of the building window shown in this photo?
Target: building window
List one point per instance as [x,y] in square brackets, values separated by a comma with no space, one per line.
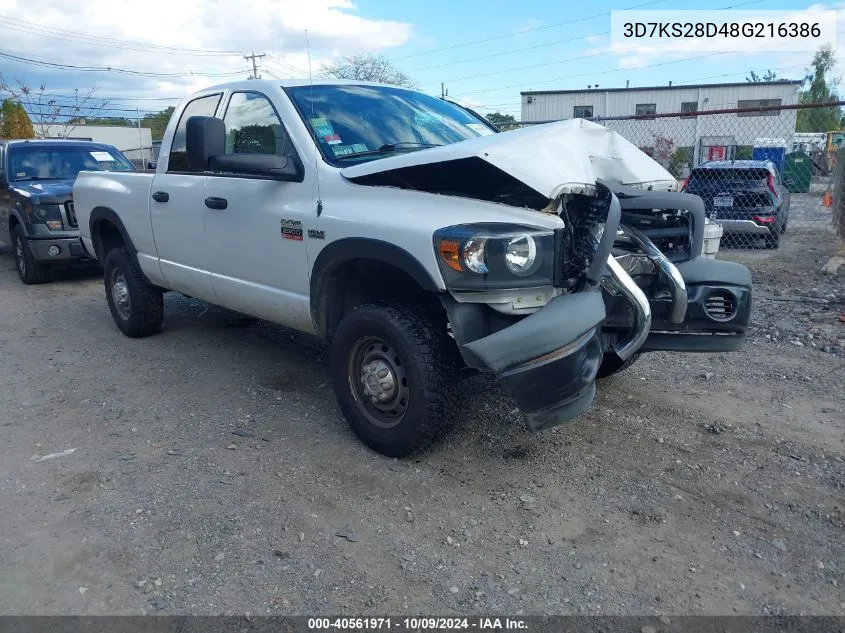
[646,109]
[688,107]
[756,104]
[583,112]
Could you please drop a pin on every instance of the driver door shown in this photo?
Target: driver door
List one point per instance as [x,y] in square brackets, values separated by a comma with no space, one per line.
[256,227]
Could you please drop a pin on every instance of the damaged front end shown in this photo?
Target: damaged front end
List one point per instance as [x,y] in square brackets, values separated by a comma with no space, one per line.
[698,304]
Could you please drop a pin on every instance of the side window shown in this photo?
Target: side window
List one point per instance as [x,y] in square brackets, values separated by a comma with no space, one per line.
[204,106]
[253,127]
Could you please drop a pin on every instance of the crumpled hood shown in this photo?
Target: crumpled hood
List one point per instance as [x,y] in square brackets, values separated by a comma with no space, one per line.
[553,158]
[53,191]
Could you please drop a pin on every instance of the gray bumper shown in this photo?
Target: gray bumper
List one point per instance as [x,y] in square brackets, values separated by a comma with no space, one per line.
[747,227]
[70,249]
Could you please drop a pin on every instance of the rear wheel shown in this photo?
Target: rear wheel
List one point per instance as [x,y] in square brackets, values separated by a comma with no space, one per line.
[612,364]
[136,306]
[395,377]
[29,269]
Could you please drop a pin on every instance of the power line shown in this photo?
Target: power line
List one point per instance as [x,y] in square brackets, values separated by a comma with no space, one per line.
[522,32]
[284,64]
[109,69]
[612,70]
[556,43]
[56,33]
[559,61]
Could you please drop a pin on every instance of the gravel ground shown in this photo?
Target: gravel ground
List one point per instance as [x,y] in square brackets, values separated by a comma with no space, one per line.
[213,473]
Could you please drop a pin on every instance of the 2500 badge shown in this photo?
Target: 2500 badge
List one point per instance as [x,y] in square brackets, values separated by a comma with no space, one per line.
[292,230]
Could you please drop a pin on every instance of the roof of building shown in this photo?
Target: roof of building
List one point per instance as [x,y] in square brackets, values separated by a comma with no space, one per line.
[748,84]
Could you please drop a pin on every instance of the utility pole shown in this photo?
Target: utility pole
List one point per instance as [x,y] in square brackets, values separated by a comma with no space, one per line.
[141,138]
[443,91]
[252,58]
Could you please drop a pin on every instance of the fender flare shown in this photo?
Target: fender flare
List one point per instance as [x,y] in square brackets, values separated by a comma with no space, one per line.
[100,214]
[349,249]
[14,213]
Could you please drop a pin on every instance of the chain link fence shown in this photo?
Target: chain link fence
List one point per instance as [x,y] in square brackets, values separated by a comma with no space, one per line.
[760,180]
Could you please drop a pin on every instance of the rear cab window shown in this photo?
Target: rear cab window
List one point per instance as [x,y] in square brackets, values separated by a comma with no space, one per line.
[177,160]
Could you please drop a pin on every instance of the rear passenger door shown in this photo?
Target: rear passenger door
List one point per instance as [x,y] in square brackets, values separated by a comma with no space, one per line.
[177,210]
[256,242]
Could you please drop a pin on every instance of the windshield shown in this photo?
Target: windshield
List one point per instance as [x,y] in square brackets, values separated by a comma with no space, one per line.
[353,123]
[62,163]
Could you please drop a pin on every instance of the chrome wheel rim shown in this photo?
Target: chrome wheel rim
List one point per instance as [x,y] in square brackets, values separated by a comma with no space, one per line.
[120,294]
[19,258]
[378,382]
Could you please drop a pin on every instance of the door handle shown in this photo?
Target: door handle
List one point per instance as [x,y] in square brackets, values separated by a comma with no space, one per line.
[161,196]
[216,203]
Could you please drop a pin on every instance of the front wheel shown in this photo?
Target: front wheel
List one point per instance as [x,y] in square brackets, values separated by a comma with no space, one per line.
[395,377]
[29,269]
[136,306]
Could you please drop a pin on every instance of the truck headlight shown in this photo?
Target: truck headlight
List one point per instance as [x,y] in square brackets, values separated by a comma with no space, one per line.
[521,255]
[48,214]
[495,256]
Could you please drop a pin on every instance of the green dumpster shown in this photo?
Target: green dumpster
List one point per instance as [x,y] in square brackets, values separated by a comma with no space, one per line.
[797,172]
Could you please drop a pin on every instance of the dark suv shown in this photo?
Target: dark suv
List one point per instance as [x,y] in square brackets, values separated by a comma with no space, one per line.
[747,197]
[36,204]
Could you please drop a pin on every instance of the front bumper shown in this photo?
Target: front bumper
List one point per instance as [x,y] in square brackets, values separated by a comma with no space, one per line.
[69,250]
[549,359]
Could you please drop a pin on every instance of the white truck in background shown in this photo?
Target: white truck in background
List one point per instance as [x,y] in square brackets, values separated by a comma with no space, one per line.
[416,240]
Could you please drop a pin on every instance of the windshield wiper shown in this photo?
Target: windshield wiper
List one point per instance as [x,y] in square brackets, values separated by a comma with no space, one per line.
[389,147]
[28,178]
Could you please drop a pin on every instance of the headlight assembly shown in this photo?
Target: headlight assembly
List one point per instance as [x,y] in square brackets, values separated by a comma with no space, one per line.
[495,256]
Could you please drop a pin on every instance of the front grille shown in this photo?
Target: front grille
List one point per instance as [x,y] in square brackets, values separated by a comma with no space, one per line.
[71,213]
[720,305]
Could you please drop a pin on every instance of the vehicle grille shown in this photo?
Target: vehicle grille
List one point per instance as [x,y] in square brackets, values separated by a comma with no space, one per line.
[71,213]
[720,305]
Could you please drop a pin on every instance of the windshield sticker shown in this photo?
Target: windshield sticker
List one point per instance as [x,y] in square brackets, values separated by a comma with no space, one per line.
[322,127]
[342,150]
[359,147]
[332,139]
[427,118]
[480,128]
[102,157]
[20,174]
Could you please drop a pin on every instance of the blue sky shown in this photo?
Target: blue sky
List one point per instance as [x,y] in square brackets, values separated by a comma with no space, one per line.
[532,45]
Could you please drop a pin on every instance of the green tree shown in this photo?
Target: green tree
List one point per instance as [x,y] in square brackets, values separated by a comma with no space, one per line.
[158,122]
[502,121]
[14,121]
[820,88]
[755,78]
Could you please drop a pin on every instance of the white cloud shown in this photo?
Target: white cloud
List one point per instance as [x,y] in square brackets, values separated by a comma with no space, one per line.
[276,27]
[531,24]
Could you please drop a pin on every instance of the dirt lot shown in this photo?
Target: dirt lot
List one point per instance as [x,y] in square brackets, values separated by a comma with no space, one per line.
[213,473]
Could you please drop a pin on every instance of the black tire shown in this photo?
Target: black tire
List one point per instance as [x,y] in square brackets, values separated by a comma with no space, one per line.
[612,364]
[136,306]
[30,270]
[422,393]
[773,238]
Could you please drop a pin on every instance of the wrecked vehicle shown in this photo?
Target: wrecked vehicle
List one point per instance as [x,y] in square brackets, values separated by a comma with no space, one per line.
[417,241]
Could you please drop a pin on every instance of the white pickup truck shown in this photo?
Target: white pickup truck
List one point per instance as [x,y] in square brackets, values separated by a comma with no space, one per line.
[418,241]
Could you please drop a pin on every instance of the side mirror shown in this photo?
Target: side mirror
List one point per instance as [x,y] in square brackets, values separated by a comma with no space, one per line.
[205,137]
[205,148]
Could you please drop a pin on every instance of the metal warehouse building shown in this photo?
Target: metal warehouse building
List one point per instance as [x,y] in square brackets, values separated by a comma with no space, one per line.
[704,137]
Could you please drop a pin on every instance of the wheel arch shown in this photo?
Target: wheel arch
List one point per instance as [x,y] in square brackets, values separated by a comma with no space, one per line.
[108,231]
[347,263]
